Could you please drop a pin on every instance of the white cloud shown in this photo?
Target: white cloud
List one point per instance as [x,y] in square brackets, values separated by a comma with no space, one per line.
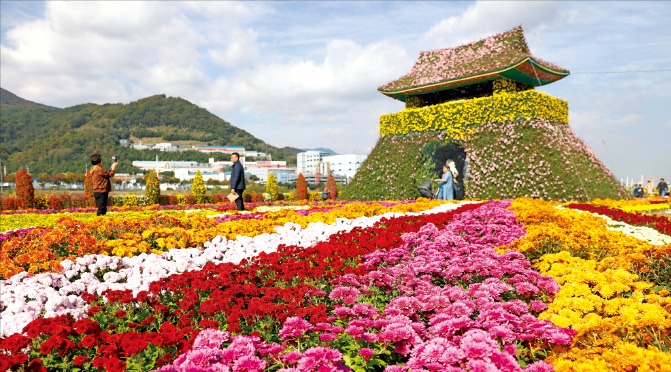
[136,48]
[484,18]
[312,91]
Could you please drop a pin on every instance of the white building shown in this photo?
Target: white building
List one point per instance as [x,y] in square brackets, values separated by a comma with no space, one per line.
[282,175]
[308,162]
[223,149]
[169,165]
[266,164]
[258,155]
[188,175]
[163,146]
[344,165]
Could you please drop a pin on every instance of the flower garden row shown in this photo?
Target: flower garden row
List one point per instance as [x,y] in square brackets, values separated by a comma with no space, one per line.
[336,296]
[660,223]
[57,237]
[467,114]
[53,203]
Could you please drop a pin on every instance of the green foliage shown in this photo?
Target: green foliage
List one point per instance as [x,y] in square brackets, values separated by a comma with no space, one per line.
[153,187]
[393,170]
[272,186]
[25,192]
[510,159]
[48,139]
[198,187]
[301,188]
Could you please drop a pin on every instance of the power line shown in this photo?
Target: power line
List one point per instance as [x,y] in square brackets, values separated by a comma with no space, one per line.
[621,72]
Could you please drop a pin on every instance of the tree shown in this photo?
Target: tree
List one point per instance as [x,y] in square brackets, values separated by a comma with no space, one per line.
[301,188]
[43,178]
[25,192]
[331,187]
[153,189]
[88,185]
[198,187]
[271,186]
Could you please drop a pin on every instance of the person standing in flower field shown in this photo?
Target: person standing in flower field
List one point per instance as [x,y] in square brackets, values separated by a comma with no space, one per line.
[100,179]
[237,180]
[663,188]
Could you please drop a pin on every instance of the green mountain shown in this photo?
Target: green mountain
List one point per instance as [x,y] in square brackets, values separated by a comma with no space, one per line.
[49,139]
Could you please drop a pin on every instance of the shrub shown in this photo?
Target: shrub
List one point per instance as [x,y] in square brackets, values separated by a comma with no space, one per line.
[198,187]
[130,200]
[88,186]
[9,203]
[315,196]
[153,188]
[181,199]
[331,187]
[272,186]
[25,192]
[301,188]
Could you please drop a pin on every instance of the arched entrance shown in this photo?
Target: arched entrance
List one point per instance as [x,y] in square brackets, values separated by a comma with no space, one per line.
[452,151]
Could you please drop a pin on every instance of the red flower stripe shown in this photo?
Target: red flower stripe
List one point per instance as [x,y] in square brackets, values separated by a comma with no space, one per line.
[659,223]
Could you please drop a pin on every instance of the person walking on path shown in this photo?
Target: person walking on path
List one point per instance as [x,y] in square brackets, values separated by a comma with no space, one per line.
[237,180]
[100,180]
[663,188]
[446,188]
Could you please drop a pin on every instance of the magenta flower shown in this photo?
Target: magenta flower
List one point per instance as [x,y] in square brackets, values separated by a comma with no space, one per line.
[366,353]
[320,358]
[249,363]
[478,344]
[348,295]
[210,338]
[437,354]
[294,327]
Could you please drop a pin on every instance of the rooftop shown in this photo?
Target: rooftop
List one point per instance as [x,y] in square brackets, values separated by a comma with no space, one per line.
[502,55]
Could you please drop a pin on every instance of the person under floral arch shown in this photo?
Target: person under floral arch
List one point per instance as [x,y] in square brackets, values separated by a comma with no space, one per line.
[446,188]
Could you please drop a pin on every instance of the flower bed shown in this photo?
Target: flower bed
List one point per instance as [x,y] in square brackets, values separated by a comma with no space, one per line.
[459,118]
[462,287]
[659,223]
[43,248]
[614,289]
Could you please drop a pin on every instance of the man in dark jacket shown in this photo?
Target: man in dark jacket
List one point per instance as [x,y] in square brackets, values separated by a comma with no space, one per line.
[662,187]
[100,180]
[237,180]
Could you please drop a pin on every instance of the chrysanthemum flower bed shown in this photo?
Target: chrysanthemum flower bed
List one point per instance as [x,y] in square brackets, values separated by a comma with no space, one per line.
[476,286]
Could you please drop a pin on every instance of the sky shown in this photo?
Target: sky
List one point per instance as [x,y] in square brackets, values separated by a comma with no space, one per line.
[305,74]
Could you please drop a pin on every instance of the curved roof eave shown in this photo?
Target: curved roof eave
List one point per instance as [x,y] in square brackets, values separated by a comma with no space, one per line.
[528,71]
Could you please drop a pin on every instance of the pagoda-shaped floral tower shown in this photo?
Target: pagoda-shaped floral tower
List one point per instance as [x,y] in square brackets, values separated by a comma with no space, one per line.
[476,104]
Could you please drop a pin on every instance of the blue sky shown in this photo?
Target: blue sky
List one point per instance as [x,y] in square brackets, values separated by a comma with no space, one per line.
[305,74]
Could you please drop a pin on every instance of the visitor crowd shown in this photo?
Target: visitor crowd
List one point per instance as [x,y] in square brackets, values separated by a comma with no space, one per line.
[662,189]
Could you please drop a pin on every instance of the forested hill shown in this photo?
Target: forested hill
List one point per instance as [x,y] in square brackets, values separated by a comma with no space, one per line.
[48,139]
